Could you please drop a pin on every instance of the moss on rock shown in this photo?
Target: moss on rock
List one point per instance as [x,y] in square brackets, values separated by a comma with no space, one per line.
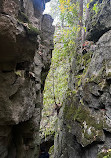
[91,126]
[23,17]
[32,30]
[85,61]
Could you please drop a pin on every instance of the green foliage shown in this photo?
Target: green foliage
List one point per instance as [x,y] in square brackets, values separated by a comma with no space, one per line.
[65,47]
[59,72]
[51,150]
[104,154]
[95,8]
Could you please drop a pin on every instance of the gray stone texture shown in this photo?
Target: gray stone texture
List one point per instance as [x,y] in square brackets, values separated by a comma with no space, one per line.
[26,44]
[84,123]
[100,23]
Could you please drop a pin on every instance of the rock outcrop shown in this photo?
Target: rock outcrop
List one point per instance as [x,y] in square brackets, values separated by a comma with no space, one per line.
[26,44]
[99,23]
[84,125]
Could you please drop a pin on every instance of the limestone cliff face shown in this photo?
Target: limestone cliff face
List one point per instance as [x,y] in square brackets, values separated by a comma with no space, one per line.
[26,44]
[84,125]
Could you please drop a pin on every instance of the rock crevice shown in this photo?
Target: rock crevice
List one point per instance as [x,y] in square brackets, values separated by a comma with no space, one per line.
[26,44]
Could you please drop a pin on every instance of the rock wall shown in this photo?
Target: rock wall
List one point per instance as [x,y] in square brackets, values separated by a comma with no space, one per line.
[84,125]
[26,44]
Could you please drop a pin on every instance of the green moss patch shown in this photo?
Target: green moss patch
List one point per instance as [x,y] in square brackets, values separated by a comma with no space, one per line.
[23,17]
[91,126]
[32,30]
[83,60]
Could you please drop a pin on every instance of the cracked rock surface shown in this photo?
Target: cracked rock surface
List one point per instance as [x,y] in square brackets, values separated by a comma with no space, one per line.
[84,125]
[26,44]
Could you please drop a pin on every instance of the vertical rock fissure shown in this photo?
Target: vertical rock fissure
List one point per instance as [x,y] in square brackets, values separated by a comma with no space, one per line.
[26,44]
